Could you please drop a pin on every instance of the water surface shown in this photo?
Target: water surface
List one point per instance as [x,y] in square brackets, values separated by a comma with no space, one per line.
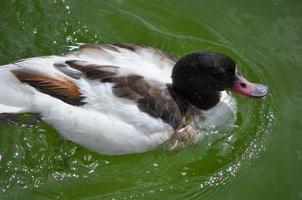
[261,158]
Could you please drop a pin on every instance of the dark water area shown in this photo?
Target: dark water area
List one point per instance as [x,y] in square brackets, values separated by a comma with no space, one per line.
[261,158]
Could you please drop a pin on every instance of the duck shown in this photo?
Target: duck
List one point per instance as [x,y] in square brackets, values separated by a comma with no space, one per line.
[121,98]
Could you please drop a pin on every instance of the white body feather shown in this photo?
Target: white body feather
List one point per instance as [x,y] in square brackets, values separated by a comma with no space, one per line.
[106,124]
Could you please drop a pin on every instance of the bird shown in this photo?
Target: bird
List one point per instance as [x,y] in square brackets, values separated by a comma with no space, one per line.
[124,98]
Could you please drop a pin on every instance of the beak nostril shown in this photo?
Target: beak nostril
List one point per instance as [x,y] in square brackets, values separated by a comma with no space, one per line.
[243,85]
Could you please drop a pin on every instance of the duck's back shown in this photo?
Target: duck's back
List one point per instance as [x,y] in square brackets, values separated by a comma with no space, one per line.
[149,62]
[110,82]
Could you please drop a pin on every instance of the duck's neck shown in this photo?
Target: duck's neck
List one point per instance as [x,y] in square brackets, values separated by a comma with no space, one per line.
[203,101]
[183,103]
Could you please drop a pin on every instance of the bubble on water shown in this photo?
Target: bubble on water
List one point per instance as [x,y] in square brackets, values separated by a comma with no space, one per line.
[16,155]
[69,39]
[35,30]
[231,138]
[183,173]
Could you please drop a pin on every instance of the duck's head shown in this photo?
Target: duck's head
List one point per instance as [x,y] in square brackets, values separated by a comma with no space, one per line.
[200,76]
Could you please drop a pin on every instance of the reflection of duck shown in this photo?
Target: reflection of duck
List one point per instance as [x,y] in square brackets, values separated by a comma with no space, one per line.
[118,99]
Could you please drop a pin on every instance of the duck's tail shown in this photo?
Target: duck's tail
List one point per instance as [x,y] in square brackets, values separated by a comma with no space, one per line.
[10,109]
[15,97]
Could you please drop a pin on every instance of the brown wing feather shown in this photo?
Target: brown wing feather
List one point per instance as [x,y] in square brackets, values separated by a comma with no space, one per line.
[61,88]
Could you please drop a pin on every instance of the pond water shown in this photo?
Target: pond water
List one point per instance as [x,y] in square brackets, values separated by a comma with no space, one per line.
[261,158]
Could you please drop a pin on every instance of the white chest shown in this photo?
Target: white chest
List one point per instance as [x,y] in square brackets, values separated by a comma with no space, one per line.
[222,116]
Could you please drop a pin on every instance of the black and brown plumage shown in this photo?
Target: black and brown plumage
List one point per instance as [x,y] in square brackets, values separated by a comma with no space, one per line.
[123,98]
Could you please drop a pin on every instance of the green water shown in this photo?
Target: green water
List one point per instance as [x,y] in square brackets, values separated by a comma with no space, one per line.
[260,159]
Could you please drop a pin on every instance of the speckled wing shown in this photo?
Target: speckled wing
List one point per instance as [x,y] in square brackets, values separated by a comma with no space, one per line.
[145,61]
[151,97]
